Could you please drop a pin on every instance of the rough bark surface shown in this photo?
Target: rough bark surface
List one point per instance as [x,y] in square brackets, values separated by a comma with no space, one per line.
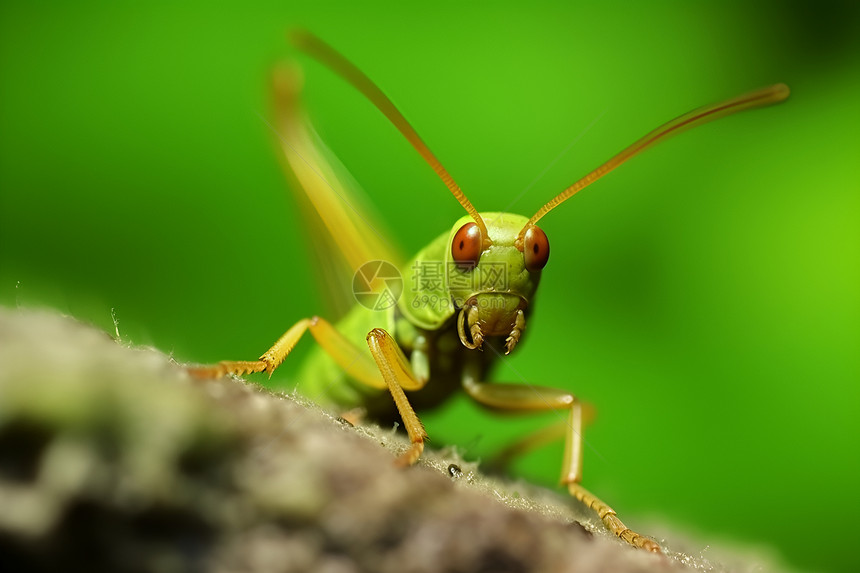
[112,458]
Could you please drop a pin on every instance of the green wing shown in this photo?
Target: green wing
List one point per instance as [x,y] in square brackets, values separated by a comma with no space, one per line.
[344,234]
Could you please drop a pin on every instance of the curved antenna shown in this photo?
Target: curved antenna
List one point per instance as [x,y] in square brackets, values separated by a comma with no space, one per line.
[765,96]
[315,47]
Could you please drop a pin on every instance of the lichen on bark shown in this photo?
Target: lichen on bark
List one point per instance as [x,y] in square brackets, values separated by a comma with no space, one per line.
[113,458]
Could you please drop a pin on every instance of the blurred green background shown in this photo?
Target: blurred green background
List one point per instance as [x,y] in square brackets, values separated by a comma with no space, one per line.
[705,297]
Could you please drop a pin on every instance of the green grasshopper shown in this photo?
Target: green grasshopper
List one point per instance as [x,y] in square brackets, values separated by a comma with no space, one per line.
[471,289]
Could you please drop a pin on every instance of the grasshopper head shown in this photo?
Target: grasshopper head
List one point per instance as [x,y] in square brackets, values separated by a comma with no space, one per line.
[492,282]
[498,263]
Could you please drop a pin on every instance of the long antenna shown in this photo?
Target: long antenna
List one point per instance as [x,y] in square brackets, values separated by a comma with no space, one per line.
[766,96]
[327,55]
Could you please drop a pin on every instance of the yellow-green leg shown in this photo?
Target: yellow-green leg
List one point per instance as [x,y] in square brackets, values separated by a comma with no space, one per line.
[391,370]
[501,460]
[350,357]
[518,397]
[398,375]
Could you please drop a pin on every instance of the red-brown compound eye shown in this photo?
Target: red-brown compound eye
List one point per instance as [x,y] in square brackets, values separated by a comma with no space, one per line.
[466,247]
[535,249]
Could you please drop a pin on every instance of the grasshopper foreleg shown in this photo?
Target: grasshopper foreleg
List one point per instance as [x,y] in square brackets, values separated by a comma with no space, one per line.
[351,358]
[521,397]
[398,375]
[391,370]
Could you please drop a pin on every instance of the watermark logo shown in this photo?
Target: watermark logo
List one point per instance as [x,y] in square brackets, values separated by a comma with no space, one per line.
[429,276]
[377,285]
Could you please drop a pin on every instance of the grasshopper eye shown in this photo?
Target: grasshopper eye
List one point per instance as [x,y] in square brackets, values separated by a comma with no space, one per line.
[536,249]
[467,245]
